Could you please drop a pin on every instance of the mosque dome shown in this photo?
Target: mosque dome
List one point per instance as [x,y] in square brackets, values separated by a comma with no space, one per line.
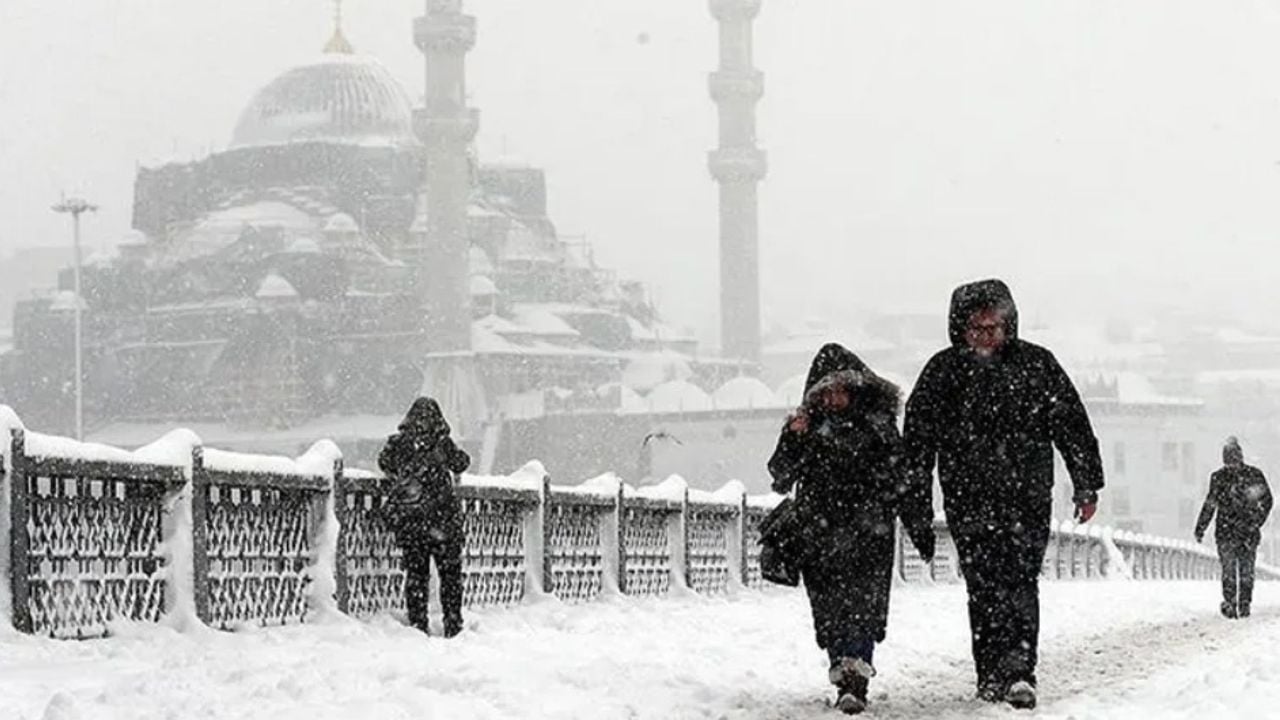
[340,98]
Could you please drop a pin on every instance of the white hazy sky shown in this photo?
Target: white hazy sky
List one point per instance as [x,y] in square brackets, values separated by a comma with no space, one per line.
[1097,154]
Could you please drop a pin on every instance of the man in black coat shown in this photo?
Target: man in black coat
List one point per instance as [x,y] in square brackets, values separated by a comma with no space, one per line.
[421,462]
[842,448]
[1239,494]
[988,411]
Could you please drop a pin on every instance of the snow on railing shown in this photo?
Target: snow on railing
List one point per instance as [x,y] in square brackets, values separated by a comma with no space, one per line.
[192,536]
[1083,552]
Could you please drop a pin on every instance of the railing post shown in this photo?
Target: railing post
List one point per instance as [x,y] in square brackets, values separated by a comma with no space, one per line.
[678,541]
[200,535]
[338,496]
[341,569]
[738,541]
[611,556]
[19,541]
[622,538]
[548,572]
[535,556]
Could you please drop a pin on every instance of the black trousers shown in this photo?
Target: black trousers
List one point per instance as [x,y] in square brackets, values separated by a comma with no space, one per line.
[421,540]
[1001,570]
[1237,558]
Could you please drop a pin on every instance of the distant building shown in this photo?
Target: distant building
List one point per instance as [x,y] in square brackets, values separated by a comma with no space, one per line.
[294,277]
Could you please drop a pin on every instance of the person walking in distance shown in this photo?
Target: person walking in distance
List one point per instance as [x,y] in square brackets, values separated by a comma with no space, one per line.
[1240,497]
[421,464]
[988,412]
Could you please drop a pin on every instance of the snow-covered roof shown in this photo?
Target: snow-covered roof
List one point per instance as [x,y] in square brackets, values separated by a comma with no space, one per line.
[341,223]
[1088,344]
[630,401]
[487,339]
[527,243]
[303,245]
[1217,377]
[647,370]
[743,393]
[65,300]
[537,319]
[274,286]
[221,228]
[678,396]
[1133,388]
[347,99]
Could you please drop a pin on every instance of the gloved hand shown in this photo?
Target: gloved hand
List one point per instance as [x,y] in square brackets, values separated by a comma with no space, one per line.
[1199,536]
[1085,511]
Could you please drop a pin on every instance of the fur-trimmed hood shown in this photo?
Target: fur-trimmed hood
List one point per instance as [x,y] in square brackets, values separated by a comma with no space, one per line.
[967,299]
[837,366]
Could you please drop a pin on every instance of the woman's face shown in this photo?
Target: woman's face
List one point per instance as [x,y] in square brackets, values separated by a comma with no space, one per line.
[835,399]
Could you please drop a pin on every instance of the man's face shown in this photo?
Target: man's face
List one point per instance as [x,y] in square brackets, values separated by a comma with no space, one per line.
[985,332]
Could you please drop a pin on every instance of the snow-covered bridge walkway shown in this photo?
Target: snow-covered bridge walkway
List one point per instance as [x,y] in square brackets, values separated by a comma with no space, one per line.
[1109,650]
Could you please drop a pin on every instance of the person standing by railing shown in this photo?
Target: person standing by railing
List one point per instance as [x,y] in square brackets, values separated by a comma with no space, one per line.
[988,411]
[1241,498]
[841,450]
[421,464]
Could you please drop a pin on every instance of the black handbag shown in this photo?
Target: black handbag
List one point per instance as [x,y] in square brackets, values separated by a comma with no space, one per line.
[782,545]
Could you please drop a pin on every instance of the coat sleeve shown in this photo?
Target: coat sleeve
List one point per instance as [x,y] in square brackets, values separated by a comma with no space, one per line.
[1209,508]
[921,427]
[1072,434]
[784,464]
[456,458]
[913,498]
[391,458]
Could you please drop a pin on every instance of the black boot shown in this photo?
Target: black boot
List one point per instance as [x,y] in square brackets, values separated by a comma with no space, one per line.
[1021,695]
[851,695]
[1228,610]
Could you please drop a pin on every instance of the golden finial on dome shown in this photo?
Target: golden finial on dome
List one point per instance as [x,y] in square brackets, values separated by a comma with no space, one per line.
[338,43]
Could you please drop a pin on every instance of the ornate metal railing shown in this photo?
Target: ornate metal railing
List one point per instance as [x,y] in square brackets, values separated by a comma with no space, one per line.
[580,536]
[85,541]
[713,541]
[1083,552]
[369,574]
[253,538]
[756,511]
[96,536]
[495,523]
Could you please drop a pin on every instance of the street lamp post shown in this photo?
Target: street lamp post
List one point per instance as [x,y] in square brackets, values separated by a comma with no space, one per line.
[76,207]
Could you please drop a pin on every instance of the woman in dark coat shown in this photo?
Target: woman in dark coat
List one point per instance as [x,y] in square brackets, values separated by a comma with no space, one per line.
[421,462]
[841,450]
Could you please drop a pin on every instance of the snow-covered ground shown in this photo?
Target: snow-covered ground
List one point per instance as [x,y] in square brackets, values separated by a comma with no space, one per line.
[1109,650]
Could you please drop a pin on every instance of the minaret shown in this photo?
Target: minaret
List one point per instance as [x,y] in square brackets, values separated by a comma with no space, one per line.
[738,166]
[446,126]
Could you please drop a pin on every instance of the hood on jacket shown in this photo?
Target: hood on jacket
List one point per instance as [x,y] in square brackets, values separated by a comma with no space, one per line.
[426,420]
[837,366]
[981,295]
